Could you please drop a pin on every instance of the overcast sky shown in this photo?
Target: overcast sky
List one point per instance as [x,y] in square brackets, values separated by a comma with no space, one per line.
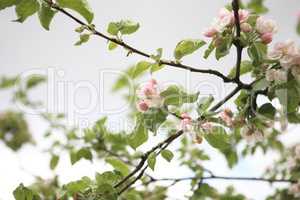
[90,71]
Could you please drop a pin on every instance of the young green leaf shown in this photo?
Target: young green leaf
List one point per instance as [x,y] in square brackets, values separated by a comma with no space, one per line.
[24,193]
[187,47]
[80,6]
[209,50]
[46,15]
[84,38]
[128,27]
[152,160]
[257,52]
[112,46]
[139,135]
[246,67]
[173,95]
[7,3]
[35,80]
[26,8]
[118,165]
[218,138]
[167,155]
[267,110]
[223,48]
[298,27]
[153,118]
[113,28]
[204,103]
[84,153]
[54,161]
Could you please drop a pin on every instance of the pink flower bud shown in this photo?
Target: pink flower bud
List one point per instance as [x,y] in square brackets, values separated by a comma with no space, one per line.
[246,27]
[142,106]
[243,15]
[226,116]
[266,38]
[210,32]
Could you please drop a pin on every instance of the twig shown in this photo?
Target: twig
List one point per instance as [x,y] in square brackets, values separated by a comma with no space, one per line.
[223,178]
[228,97]
[144,157]
[142,53]
[239,47]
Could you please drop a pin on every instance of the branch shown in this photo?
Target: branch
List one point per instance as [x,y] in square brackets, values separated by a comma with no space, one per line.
[144,157]
[228,97]
[212,177]
[139,52]
[239,47]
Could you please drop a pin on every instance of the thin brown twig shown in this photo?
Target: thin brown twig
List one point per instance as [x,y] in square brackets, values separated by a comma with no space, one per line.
[144,54]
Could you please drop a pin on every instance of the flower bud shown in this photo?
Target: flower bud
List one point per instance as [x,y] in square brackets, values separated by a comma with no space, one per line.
[266,38]
[142,106]
[245,27]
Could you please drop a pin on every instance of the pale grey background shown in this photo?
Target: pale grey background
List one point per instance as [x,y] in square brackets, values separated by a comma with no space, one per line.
[163,24]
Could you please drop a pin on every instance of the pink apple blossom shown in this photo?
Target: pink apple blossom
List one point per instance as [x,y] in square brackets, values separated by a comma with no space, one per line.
[245,27]
[210,32]
[243,15]
[186,122]
[264,25]
[266,38]
[142,106]
[276,75]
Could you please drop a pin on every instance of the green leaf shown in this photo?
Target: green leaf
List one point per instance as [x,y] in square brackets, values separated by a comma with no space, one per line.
[118,165]
[231,157]
[167,155]
[262,84]
[125,27]
[108,177]
[8,82]
[34,80]
[26,8]
[209,50]
[7,3]
[289,96]
[112,46]
[258,6]
[223,48]
[153,118]
[84,153]
[140,68]
[218,138]
[81,153]
[139,135]
[80,6]
[46,15]
[246,67]
[106,192]
[156,67]
[113,28]
[84,38]
[298,27]
[187,47]
[152,160]
[24,193]
[267,110]
[173,95]
[257,52]
[78,186]
[204,103]
[54,161]
[129,27]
